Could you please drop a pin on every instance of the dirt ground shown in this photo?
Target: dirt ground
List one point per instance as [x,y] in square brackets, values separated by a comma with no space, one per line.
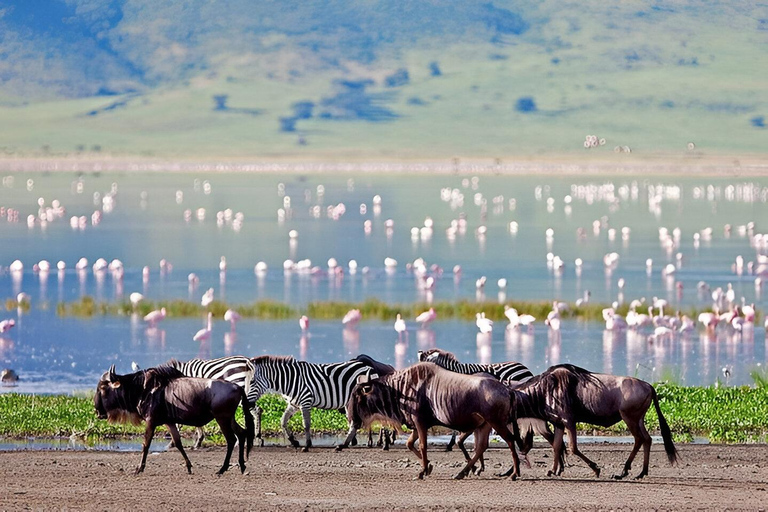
[709,477]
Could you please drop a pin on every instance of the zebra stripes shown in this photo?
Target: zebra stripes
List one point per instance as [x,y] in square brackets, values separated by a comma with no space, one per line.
[235,369]
[304,385]
[508,371]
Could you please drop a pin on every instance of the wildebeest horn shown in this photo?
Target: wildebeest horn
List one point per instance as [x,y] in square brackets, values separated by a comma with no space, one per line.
[112,374]
[363,379]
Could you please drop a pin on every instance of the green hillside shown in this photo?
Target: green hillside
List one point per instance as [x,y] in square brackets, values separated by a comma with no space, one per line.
[378,79]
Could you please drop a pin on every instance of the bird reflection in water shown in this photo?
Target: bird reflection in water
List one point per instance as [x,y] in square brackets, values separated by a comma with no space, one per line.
[554,342]
[304,345]
[350,338]
[401,352]
[425,339]
[230,340]
[483,341]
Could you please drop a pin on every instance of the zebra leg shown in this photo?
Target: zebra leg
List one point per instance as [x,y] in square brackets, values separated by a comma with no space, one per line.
[256,413]
[199,439]
[305,412]
[289,412]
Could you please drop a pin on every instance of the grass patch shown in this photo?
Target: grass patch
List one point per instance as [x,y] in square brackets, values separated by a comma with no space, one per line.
[371,309]
[721,414]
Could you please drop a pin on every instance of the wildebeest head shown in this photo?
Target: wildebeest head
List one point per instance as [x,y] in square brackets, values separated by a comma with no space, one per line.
[372,400]
[117,397]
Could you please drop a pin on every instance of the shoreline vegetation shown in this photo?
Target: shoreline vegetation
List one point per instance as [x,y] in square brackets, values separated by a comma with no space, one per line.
[721,414]
[658,163]
[370,309]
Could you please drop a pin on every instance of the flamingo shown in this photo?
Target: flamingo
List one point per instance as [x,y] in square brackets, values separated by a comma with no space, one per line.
[204,334]
[22,298]
[304,323]
[135,298]
[154,316]
[352,317]
[232,317]
[426,318]
[400,325]
[5,325]
[207,298]
[709,320]
[686,324]
[512,316]
[527,320]
[484,324]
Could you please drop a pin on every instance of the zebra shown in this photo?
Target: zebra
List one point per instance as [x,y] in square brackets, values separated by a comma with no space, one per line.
[510,373]
[304,385]
[235,369]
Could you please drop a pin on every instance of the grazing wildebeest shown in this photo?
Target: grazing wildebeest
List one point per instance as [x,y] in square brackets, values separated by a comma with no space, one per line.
[426,395]
[565,395]
[164,396]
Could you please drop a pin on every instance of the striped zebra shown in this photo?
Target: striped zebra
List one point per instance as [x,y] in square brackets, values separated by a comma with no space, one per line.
[304,385]
[507,372]
[235,369]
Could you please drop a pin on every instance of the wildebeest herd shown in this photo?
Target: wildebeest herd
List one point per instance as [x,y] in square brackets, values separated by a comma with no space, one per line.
[437,391]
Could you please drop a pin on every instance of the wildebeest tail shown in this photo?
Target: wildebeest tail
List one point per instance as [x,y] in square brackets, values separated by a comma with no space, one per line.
[666,434]
[250,429]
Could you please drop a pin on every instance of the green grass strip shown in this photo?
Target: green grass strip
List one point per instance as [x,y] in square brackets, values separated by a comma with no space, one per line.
[371,309]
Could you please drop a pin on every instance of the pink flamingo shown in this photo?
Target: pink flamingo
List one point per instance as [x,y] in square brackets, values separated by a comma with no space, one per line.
[154,316]
[6,325]
[426,318]
[352,318]
[232,317]
[304,323]
[204,334]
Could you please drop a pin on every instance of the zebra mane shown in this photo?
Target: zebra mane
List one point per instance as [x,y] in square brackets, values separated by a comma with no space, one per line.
[447,356]
[272,359]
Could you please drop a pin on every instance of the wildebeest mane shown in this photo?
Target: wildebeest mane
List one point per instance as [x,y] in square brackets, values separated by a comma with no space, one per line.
[161,375]
[380,368]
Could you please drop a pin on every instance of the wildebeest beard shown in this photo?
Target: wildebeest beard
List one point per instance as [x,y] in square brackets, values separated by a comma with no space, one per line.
[388,405]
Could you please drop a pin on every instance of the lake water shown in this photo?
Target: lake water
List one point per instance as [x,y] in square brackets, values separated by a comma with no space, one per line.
[145,218]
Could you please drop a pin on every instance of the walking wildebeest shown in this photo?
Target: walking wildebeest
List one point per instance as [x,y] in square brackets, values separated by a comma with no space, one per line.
[565,395]
[164,396]
[509,371]
[426,395]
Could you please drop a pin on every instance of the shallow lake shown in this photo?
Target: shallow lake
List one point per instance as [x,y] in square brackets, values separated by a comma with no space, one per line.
[492,226]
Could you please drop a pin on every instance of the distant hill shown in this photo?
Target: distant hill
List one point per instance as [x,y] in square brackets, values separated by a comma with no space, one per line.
[381,79]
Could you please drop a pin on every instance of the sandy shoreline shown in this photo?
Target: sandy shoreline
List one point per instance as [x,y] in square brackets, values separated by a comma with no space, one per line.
[755,165]
[708,477]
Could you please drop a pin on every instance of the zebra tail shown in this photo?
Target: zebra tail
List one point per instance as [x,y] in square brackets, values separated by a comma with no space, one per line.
[250,430]
[666,433]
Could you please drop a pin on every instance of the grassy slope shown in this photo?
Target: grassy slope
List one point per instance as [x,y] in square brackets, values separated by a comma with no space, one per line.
[619,76]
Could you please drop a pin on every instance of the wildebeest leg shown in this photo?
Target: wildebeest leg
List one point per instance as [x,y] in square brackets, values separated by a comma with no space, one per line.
[558,447]
[177,442]
[305,412]
[148,434]
[426,467]
[229,435]
[481,444]
[571,428]
[503,430]
[642,437]
[411,443]
[463,449]
[451,442]
[289,412]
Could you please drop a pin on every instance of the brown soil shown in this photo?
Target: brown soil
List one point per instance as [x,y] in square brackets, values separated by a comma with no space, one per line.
[709,477]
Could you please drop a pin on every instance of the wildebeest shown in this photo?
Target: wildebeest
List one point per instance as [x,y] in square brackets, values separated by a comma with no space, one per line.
[426,395]
[164,396]
[509,371]
[566,395]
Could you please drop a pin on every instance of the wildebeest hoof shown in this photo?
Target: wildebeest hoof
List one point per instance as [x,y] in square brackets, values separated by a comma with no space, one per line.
[640,476]
[597,471]
[429,469]
[460,475]
[261,443]
[294,442]
[421,476]
[305,449]
[339,448]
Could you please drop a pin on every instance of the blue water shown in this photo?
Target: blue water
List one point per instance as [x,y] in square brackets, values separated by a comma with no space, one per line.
[143,221]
